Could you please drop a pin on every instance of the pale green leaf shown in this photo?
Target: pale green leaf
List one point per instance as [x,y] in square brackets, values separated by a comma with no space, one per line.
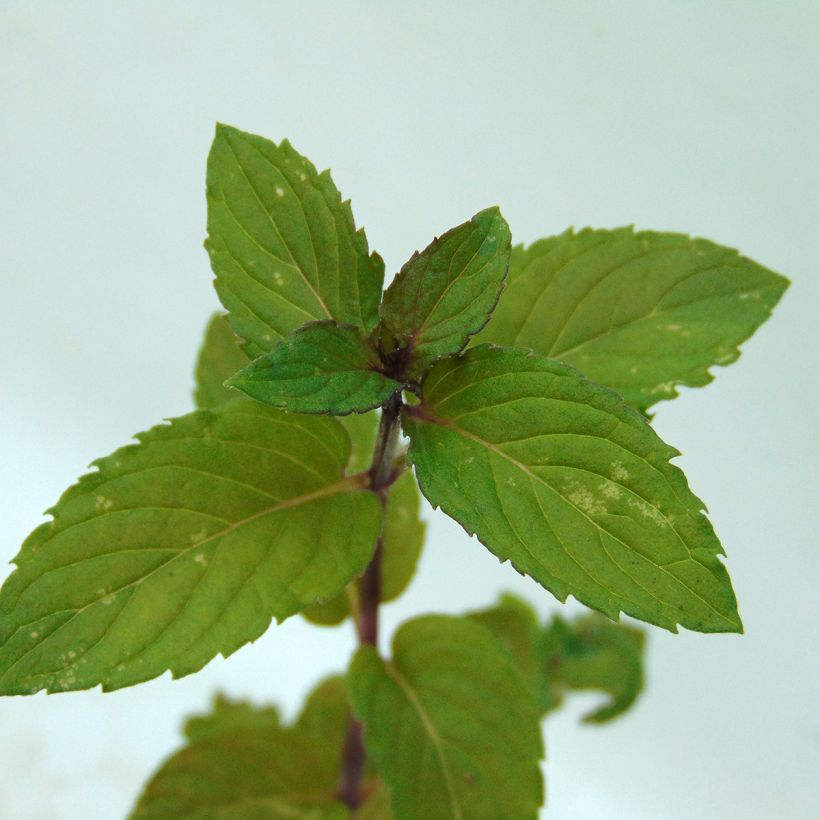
[376,806]
[451,725]
[320,368]
[571,485]
[283,245]
[639,312]
[324,715]
[446,293]
[403,539]
[593,653]
[515,625]
[226,715]
[251,770]
[219,358]
[184,546]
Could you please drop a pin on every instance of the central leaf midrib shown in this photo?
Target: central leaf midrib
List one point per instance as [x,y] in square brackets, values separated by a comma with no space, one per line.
[432,733]
[351,482]
[430,418]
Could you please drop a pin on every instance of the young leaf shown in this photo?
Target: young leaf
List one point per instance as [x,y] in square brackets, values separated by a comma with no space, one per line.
[320,368]
[254,770]
[218,361]
[446,293]
[219,358]
[639,312]
[450,723]
[403,540]
[563,479]
[593,653]
[184,546]
[283,245]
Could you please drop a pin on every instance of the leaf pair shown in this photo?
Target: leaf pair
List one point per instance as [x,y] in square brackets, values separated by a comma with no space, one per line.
[440,298]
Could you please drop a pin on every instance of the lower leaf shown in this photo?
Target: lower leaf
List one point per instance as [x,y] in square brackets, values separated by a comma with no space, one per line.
[184,546]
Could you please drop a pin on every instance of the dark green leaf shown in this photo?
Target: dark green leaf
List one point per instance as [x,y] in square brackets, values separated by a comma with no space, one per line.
[219,358]
[403,540]
[639,312]
[446,293]
[283,245]
[593,653]
[184,546]
[559,476]
[320,368]
[450,723]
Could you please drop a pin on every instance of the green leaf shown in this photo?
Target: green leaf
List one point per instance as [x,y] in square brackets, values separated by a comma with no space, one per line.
[515,625]
[639,312]
[362,429]
[250,770]
[320,368]
[376,806]
[560,477]
[324,716]
[446,293]
[184,546]
[450,723]
[283,245]
[226,715]
[593,653]
[403,539]
[219,358]
[590,652]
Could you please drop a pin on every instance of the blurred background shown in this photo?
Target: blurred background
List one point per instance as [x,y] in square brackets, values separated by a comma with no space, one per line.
[700,117]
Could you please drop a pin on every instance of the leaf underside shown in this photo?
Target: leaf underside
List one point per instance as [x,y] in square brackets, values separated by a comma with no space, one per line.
[220,356]
[283,245]
[320,368]
[184,546]
[639,312]
[447,292]
[563,479]
[451,725]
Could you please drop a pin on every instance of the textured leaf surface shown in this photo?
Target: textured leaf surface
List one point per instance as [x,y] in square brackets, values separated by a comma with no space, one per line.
[184,546]
[403,540]
[283,245]
[559,476]
[593,653]
[639,312]
[219,358]
[450,723]
[446,293]
[320,368]
[253,770]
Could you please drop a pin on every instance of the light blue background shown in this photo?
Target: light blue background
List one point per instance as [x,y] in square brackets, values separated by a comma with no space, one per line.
[693,116]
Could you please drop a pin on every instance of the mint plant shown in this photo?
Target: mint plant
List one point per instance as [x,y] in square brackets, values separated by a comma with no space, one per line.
[511,384]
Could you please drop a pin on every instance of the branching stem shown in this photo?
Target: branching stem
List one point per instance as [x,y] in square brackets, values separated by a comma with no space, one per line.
[382,476]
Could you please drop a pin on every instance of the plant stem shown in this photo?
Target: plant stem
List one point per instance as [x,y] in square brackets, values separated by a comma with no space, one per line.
[370,591]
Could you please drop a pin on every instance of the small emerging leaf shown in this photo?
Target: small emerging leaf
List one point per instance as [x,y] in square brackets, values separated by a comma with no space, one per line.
[220,356]
[639,312]
[282,243]
[446,293]
[184,546]
[590,652]
[560,477]
[450,723]
[320,368]
[593,653]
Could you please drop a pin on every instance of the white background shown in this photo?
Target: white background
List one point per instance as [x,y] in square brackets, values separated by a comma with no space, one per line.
[698,116]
